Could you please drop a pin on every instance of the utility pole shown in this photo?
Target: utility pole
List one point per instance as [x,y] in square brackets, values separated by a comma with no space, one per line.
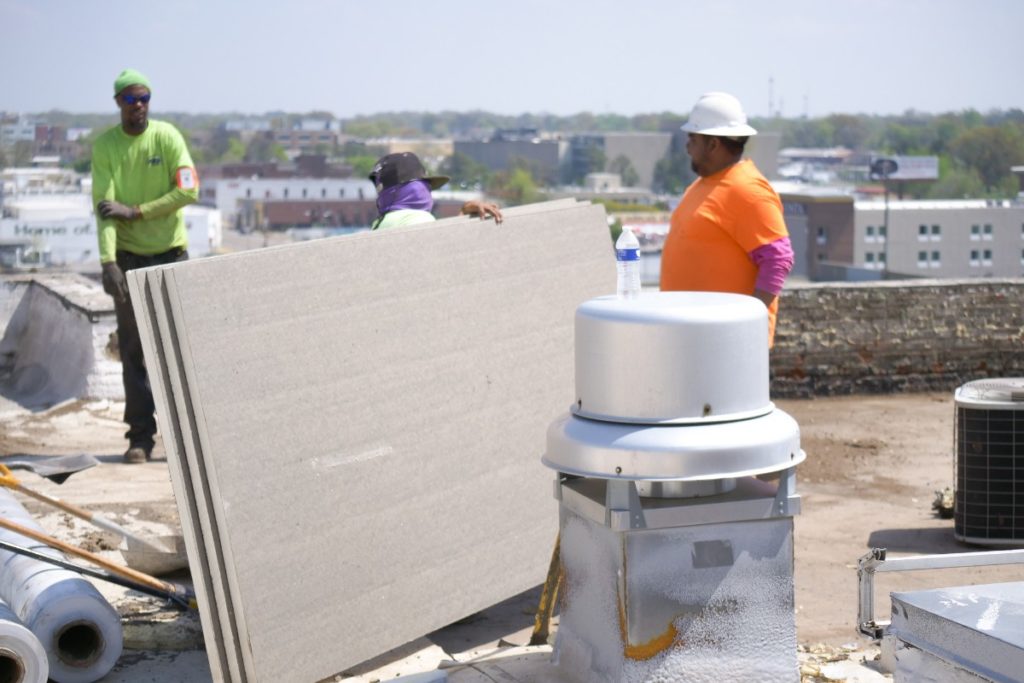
[884,167]
[885,220]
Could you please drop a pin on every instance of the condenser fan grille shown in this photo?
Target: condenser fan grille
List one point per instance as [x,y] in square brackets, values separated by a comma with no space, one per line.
[989,475]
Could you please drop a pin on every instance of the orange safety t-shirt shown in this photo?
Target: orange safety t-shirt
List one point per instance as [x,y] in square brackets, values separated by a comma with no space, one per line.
[719,221]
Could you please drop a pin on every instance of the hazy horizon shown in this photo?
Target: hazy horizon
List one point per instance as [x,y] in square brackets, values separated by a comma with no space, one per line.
[278,112]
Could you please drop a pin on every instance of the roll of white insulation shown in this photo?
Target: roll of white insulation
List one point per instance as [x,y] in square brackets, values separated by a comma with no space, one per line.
[78,629]
[22,658]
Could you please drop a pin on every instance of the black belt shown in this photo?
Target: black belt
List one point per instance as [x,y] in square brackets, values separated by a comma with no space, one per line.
[176,251]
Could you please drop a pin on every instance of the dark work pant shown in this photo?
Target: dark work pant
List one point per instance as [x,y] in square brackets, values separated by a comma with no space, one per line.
[139,409]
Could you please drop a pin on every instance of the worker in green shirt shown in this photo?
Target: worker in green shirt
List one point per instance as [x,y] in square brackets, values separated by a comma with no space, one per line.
[142,177]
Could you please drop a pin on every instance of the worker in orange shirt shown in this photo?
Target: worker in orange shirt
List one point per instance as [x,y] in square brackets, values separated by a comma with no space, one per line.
[727,234]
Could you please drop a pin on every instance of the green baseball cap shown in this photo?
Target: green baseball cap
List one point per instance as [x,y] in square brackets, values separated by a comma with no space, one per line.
[130,77]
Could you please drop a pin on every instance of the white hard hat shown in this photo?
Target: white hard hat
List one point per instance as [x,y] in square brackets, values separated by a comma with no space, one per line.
[718,113]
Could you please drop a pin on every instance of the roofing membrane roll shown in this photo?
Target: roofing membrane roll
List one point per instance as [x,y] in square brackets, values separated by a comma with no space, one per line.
[22,657]
[79,630]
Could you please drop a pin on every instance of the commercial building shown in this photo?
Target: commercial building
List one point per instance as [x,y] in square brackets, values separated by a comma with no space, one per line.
[941,238]
[303,140]
[15,129]
[248,126]
[16,182]
[820,225]
[641,150]
[837,236]
[47,220]
[42,139]
[308,135]
[229,194]
[430,150]
[542,154]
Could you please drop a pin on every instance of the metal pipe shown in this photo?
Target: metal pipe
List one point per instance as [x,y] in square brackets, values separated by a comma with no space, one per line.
[78,629]
[951,560]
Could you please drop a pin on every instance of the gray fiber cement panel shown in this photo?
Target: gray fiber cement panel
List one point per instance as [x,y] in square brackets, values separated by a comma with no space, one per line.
[373,410]
[192,489]
[142,286]
[227,598]
[357,455]
[177,426]
[977,628]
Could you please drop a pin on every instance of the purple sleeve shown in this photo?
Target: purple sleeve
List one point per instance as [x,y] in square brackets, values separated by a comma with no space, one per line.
[773,261]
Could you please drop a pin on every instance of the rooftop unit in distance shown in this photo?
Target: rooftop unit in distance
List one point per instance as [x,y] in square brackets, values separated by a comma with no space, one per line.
[989,434]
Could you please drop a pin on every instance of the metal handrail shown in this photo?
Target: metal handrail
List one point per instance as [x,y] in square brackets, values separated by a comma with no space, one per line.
[875,561]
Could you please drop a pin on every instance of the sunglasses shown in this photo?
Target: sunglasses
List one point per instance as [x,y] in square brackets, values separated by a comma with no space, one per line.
[132,99]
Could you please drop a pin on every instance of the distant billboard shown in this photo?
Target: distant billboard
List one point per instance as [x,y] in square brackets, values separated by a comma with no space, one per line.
[904,168]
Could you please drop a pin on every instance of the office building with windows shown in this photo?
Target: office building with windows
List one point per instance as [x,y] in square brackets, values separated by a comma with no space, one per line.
[838,237]
[941,238]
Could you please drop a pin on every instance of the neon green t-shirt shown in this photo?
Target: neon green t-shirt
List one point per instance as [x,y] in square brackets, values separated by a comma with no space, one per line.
[394,219]
[152,171]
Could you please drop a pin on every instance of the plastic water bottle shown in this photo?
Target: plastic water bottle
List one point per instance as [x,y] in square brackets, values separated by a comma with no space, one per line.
[627,257]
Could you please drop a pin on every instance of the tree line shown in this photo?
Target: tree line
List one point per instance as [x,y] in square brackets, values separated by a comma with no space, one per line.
[975,150]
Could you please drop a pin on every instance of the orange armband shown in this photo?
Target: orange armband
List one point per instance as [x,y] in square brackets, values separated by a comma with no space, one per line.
[186,178]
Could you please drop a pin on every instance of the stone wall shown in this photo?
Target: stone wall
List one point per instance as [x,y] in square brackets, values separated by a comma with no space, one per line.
[838,338]
[883,337]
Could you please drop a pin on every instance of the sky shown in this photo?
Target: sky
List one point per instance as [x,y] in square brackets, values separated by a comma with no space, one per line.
[351,57]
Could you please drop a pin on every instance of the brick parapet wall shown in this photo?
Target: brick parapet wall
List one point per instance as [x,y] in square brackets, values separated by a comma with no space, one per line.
[882,337]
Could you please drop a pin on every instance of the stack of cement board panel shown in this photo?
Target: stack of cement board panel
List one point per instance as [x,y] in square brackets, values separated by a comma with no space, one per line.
[354,427]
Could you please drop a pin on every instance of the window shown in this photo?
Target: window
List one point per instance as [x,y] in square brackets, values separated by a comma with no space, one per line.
[341,193]
[936,259]
[323,193]
[1022,257]
[883,231]
[821,256]
[922,232]
[881,258]
[986,233]
[869,233]
[986,257]
[922,259]
[304,193]
[248,193]
[975,258]
[869,258]
[286,193]
[975,232]
[266,194]
[936,232]
[822,237]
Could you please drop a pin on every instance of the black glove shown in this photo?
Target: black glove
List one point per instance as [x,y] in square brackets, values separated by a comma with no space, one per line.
[111,209]
[114,283]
